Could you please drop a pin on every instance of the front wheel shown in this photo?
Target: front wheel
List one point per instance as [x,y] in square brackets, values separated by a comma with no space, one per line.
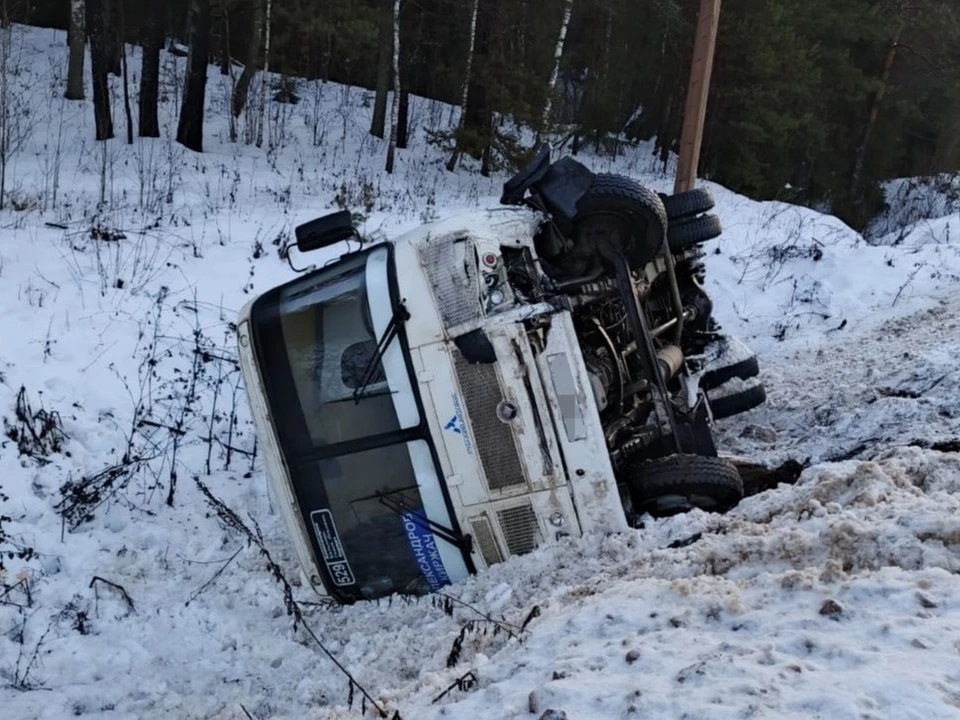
[621,211]
[679,483]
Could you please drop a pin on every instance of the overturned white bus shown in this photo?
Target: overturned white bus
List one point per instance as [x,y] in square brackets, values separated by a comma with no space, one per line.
[436,403]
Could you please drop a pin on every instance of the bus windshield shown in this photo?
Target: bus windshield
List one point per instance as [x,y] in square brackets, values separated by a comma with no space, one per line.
[360,475]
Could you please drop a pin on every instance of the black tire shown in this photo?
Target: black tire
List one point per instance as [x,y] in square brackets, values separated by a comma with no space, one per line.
[741,402]
[626,191]
[745,369]
[619,198]
[691,232]
[687,204]
[678,483]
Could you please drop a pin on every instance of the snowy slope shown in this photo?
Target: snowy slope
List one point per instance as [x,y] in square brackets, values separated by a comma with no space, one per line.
[918,211]
[120,324]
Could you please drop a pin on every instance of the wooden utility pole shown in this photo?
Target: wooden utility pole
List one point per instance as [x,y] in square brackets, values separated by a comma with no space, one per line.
[698,90]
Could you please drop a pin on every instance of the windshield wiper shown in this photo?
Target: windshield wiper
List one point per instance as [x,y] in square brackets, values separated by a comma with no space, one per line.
[419,518]
[369,373]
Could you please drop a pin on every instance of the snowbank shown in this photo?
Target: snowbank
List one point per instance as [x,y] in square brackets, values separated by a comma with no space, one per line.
[918,211]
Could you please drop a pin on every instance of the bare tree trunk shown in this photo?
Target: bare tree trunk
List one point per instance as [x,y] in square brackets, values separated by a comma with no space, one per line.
[452,163]
[485,163]
[78,44]
[99,67]
[224,41]
[875,107]
[946,155]
[607,51]
[112,31]
[190,127]
[126,77]
[395,108]
[240,91]
[403,119]
[5,49]
[150,73]
[266,79]
[557,56]
[379,119]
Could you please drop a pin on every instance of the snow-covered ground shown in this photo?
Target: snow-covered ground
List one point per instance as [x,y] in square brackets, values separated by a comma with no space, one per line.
[918,211]
[121,271]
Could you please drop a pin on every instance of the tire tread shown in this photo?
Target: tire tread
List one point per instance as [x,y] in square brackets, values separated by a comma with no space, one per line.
[688,475]
[689,203]
[691,232]
[741,402]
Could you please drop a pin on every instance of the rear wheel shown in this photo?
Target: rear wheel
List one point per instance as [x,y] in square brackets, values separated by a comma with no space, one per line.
[687,204]
[679,483]
[744,369]
[691,232]
[736,403]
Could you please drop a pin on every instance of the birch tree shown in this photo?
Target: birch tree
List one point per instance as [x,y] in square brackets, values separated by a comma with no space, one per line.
[121,32]
[465,88]
[557,56]
[77,51]
[265,81]
[395,106]
[242,88]
[384,52]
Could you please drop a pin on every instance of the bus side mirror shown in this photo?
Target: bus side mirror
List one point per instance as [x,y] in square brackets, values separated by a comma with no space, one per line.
[325,231]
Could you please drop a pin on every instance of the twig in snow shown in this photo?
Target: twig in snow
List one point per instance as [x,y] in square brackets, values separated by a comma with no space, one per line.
[22,682]
[119,588]
[161,426]
[213,579]
[229,448]
[447,604]
[232,422]
[534,613]
[213,409]
[23,586]
[906,283]
[465,682]
[188,400]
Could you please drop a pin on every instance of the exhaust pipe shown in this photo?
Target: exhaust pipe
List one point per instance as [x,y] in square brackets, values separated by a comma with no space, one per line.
[670,360]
